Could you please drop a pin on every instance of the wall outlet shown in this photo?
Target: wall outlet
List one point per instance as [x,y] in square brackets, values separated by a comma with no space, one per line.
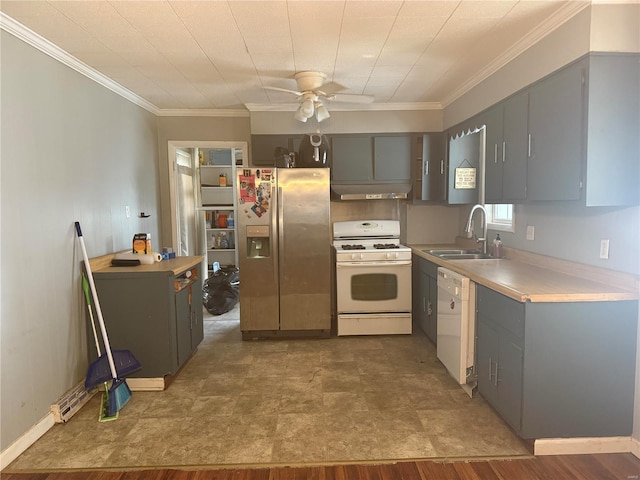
[127,211]
[531,232]
[604,249]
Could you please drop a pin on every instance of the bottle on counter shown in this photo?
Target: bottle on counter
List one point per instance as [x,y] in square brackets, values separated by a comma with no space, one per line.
[497,247]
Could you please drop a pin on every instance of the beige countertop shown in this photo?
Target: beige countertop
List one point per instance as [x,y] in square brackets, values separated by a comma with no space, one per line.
[523,276]
[174,265]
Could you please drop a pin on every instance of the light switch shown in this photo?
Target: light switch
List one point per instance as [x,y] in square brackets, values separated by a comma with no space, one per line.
[531,232]
[604,249]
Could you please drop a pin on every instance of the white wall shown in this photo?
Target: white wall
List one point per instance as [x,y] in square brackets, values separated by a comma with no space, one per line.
[71,151]
[374,121]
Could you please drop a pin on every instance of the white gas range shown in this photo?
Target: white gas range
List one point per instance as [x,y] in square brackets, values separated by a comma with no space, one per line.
[373,278]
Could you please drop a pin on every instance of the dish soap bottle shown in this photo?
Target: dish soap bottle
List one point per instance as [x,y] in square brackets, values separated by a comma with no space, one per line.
[497,247]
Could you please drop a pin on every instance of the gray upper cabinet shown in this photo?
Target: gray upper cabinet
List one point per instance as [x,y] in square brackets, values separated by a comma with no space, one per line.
[371,158]
[572,136]
[430,176]
[556,111]
[613,130]
[352,159]
[392,158]
[583,125]
[506,150]
[464,169]
[263,147]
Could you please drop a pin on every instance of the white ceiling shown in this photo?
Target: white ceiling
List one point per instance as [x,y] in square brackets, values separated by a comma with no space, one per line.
[218,54]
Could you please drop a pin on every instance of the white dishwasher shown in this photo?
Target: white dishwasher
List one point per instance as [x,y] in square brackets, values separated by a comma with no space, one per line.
[456,327]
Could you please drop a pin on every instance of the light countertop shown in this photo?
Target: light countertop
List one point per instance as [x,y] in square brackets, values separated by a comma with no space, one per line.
[537,278]
[173,266]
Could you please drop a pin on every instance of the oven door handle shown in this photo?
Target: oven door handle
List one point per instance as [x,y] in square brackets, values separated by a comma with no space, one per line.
[379,263]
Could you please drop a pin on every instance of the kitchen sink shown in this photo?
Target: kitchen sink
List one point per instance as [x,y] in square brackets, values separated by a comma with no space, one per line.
[459,254]
[467,256]
[449,251]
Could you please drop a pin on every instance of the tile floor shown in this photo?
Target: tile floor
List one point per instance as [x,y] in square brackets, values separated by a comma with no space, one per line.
[286,402]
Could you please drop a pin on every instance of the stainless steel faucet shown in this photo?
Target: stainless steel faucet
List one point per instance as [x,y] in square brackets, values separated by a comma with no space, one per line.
[484,226]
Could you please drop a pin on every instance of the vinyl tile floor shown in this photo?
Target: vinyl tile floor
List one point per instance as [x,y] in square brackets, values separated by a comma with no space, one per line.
[313,401]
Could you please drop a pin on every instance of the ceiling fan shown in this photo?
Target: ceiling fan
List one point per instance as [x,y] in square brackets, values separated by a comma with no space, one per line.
[312,90]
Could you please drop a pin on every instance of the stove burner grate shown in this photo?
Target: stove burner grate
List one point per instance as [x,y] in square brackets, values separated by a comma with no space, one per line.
[353,247]
[385,246]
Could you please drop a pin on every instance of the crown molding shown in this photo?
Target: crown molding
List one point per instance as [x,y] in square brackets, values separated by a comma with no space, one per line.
[28,36]
[561,17]
[211,112]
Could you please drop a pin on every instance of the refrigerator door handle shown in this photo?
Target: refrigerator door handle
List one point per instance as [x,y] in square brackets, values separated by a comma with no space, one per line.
[275,220]
[280,226]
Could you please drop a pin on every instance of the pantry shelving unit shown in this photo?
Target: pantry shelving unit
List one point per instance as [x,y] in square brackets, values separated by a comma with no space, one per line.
[218,204]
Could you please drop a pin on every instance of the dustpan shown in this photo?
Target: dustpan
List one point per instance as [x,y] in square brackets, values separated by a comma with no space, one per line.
[100,370]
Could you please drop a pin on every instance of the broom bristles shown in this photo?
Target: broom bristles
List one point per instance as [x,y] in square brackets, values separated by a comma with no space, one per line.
[119,395]
[104,407]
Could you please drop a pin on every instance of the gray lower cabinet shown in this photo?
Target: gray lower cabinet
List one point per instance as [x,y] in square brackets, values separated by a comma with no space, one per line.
[425,296]
[155,313]
[555,370]
[500,354]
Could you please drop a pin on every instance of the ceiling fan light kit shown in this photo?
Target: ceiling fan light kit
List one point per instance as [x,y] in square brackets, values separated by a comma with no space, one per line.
[311,88]
[321,112]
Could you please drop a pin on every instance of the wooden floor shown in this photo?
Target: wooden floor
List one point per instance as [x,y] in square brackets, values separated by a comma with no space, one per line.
[619,466]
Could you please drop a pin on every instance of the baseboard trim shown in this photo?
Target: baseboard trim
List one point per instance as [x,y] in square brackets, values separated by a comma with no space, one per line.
[589,445]
[635,447]
[146,384]
[30,437]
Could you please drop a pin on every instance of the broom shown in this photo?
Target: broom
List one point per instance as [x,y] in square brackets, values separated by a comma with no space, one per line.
[119,392]
[104,401]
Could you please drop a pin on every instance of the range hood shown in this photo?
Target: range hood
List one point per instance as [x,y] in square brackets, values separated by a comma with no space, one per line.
[372,191]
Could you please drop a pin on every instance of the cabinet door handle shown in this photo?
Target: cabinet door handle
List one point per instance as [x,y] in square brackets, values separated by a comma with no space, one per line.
[529,146]
[495,153]
[429,309]
[441,167]
[495,378]
[504,152]
[426,168]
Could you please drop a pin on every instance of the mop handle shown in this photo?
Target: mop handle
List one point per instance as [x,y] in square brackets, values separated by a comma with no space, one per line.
[105,338]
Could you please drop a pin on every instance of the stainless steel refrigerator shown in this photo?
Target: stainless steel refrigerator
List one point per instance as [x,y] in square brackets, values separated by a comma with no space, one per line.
[284,242]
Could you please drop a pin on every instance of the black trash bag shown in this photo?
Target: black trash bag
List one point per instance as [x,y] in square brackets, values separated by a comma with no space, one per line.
[220,292]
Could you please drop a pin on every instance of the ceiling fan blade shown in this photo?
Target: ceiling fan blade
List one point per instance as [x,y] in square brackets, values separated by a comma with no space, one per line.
[277,89]
[330,88]
[346,98]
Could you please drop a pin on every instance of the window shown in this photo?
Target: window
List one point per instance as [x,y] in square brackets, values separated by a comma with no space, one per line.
[500,217]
